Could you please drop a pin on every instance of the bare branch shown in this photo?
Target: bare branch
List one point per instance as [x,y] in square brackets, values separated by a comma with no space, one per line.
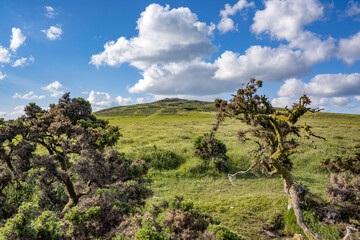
[231,176]
[349,231]
[314,145]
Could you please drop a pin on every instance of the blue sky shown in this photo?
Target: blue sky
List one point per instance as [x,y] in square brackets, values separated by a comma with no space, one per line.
[127,52]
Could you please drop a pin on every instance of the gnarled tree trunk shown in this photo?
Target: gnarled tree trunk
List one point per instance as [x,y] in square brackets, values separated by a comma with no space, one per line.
[290,187]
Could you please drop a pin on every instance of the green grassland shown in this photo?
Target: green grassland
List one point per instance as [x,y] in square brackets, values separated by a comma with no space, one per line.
[253,203]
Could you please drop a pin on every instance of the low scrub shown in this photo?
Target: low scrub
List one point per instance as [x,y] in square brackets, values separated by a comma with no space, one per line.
[212,151]
[344,191]
[176,219]
[158,158]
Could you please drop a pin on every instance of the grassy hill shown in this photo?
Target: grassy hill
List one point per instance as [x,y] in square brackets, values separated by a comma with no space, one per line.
[164,131]
[162,107]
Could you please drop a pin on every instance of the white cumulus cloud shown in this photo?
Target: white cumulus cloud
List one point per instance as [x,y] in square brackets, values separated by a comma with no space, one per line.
[2,76]
[314,48]
[340,101]
[322,89]
[323,85]
[349,49]
[54,88]
[186,78]
[17,39]
[283,102]
[18,111]
[353,8]
[28,96]
[4,55]
[21,62]
[165,35]
[268,64]
[140,100]
[53,33]
[286,19]
[123,101]
[172,45]
[227,24]
[50,12]
[101,100]
[334,84]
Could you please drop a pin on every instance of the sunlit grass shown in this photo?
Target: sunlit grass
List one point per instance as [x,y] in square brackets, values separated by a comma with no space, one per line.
[249,205]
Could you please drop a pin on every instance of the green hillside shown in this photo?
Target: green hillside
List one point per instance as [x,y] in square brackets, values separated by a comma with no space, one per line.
[163,107]
[165,131]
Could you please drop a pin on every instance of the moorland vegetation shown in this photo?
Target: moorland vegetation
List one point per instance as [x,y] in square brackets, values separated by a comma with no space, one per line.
[162,171]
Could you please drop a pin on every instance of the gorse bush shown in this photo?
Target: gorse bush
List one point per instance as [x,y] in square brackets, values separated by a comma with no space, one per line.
[176,219]
[212,151]
[60,176]
[207,146]
[31,223]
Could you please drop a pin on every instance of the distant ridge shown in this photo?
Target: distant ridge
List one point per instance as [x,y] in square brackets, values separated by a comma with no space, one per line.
[173,100]
[166,106]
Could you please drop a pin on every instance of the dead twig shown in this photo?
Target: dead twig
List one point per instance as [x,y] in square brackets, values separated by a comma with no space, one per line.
[349,231]
[231,176]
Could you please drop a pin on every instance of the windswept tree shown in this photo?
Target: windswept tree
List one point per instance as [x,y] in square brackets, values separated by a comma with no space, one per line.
[67,157]
[275,134]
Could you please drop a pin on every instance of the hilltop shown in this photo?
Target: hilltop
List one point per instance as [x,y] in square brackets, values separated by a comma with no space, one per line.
[167,106]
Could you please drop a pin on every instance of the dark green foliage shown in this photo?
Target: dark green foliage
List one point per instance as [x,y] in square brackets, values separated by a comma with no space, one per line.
[212,151]
[75,216]
[149,232]
[47,226]
[219,164]
[20,225]
[31,223]
[59,174]
[207,146]
[97,215]
[176,219]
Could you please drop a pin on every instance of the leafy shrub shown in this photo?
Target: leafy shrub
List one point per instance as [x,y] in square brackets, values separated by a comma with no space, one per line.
[59,175]
[220,164]
[30,223]
[207,146]
[47,226]
[176,219]
[212,151]
[149,232]
[20,225]
[95,216]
